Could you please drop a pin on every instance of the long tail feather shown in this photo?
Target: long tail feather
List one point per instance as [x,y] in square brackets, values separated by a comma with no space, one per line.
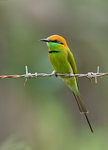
[83,109]
[88,121]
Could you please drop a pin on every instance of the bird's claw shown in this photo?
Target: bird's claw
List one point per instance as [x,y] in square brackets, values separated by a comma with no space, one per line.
[55,73]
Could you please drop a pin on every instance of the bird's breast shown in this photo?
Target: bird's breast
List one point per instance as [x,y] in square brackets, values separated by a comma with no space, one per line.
[59,61]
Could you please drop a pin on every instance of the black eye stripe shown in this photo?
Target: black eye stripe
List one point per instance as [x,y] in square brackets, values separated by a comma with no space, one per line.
[56,41]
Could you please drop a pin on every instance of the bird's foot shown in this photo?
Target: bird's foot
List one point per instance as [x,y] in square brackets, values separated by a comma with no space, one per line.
[55,73]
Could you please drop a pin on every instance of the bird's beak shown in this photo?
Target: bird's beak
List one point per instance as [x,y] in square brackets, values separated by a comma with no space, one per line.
[45,40]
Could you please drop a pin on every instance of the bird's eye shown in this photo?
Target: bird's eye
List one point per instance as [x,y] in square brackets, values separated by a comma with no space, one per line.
[56,41]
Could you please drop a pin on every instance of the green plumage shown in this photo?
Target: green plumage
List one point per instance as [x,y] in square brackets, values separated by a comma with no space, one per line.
[61,63]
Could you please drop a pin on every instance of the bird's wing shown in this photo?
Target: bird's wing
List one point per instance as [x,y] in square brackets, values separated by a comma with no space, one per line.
[71,60]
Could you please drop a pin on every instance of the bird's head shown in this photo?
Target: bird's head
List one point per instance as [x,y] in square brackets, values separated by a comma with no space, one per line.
[55,41]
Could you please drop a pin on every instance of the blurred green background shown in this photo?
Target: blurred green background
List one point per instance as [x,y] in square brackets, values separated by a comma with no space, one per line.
[43,115]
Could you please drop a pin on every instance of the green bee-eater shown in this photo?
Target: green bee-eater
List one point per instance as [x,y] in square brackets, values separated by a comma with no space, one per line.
[62,61]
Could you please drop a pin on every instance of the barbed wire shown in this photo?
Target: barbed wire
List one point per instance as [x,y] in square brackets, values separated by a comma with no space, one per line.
[88,75]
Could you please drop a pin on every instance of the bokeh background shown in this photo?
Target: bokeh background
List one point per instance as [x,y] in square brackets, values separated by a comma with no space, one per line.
[43,115]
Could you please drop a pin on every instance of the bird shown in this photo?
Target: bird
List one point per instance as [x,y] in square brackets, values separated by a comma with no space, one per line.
[63,62]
